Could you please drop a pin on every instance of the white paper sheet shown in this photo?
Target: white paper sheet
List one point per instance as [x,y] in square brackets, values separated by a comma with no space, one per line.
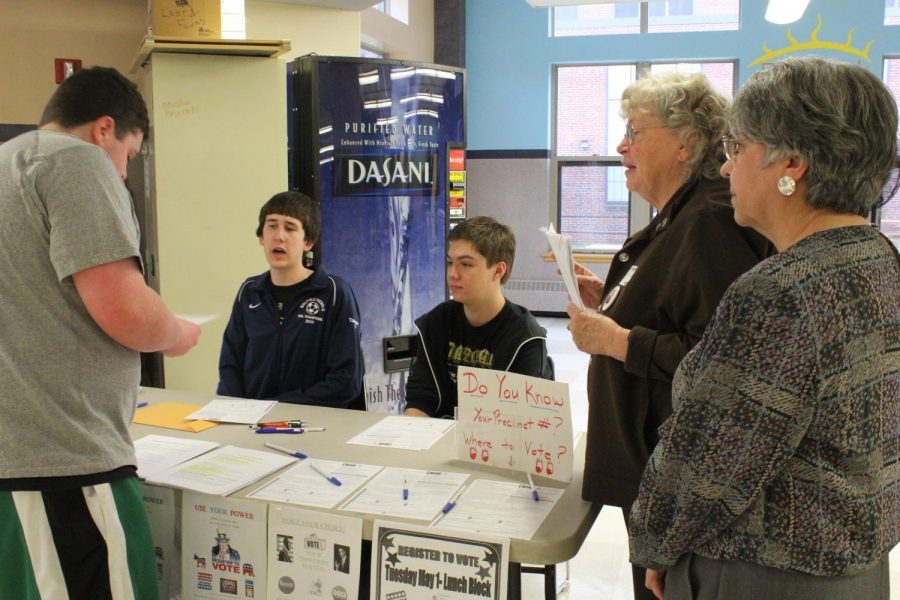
[198,319]
[429,491]
[156,453]
[500,508]
[561,246]
[303,485]
[234,410]
[222,471]
[408,433]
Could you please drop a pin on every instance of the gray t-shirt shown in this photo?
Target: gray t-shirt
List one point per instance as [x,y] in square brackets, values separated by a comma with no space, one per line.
[67,390]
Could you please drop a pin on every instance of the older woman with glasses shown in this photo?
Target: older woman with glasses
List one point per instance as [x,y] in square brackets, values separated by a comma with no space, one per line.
[663,285]
[778,474]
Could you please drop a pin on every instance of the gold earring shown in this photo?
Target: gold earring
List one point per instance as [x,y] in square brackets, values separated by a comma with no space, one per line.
[786,185]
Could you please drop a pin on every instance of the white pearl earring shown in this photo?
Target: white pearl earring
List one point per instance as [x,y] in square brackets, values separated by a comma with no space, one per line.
[786,185]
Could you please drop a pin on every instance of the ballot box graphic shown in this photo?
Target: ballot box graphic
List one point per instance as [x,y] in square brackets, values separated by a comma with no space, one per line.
[369,140]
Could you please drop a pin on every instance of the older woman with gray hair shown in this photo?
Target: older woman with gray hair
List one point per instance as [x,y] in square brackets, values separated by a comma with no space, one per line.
[778,474]
[663,285]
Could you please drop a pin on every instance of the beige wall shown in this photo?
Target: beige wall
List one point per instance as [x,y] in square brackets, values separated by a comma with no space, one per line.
[108,32]
[401,41]
[324,31]
[32,34]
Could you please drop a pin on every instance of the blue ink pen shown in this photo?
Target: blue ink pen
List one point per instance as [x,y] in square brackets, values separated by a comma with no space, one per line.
[534,492]
[330,478]
[453,500]
[296,453]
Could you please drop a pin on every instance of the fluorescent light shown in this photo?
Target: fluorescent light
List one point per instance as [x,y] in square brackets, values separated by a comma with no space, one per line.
[420,113]
[423,97]
[368,77]
[380,103]
[782,12]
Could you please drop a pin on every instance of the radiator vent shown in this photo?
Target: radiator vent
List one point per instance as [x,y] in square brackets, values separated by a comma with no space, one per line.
[538,295]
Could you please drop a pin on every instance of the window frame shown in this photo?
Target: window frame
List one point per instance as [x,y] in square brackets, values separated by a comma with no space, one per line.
[644,19]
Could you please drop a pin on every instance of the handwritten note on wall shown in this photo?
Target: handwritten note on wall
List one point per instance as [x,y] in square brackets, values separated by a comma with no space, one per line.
[174,109]
[514,421]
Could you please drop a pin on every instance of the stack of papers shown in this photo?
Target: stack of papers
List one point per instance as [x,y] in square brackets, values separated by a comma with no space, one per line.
[157,453]
[500,508]
[561,246]
[234,410]
[304,485]
[222,471]
[428,493]
[406,433]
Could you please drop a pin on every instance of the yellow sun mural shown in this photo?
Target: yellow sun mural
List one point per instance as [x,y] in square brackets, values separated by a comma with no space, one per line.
[814,43]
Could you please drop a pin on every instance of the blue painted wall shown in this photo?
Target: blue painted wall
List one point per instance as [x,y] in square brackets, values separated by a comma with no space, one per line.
[510,55]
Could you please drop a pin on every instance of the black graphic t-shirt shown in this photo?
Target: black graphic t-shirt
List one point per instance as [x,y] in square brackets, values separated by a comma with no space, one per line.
[512,341]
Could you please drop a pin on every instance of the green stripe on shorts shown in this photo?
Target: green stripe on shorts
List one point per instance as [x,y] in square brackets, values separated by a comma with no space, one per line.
[139,542]
[18,574]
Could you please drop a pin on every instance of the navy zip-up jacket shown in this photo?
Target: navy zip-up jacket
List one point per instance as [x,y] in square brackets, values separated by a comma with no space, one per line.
[313,357]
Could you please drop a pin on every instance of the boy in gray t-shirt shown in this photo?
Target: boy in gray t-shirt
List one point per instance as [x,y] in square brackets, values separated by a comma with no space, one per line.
[76,313]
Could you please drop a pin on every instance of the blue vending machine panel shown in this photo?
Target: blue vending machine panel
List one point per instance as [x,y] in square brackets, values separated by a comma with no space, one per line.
[369,141]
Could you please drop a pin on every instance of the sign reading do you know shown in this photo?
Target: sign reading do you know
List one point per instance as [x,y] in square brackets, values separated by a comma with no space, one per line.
[514,421]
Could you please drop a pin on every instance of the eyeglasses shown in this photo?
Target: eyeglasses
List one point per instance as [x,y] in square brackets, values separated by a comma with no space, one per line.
[732,147]
[631,132]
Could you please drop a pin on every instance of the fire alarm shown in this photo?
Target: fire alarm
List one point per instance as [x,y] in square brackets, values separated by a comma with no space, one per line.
[66,67]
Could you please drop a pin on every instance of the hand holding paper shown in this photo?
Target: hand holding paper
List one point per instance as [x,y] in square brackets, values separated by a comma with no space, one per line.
[561,246]
[589,286]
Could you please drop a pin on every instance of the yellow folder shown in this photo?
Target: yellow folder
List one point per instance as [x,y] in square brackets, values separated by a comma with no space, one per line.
[172,416]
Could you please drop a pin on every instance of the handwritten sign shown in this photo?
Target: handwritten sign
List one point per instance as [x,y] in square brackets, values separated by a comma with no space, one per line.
[514,421]
[412,563]
[187,18]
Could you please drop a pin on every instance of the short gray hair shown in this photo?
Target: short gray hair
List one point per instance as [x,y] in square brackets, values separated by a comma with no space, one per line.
[688,103]
[840,118]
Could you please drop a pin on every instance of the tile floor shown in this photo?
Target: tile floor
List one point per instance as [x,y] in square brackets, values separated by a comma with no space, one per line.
[601,570]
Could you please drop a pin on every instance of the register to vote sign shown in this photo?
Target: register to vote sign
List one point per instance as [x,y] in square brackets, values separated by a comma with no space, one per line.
[514,421]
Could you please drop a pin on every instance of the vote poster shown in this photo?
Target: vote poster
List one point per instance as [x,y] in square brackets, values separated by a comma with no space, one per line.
[420,563]
[373,151]
[313,555]
[515,422]
[165,529]
[223,547]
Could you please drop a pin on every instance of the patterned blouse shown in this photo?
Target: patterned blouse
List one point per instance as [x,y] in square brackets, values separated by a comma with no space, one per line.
[784,447]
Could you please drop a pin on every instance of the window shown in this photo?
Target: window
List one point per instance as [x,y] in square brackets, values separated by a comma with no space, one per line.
[659,16]
[627,10]
[889,216]
[594,206]
[234,24]
[398,9]
[892,12]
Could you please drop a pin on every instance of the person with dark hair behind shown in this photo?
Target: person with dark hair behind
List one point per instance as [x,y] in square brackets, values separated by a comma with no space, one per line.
[76,314]
[293,335]
[479,327]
